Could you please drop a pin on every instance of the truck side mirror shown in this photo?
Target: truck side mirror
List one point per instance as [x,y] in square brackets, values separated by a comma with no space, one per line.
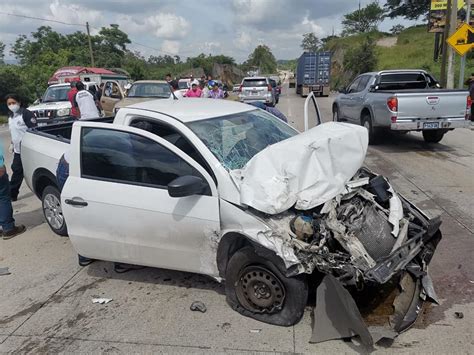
[187,185]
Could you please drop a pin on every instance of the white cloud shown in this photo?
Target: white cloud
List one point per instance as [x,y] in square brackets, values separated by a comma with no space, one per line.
[243,40]
[168,26]
[72,13]
[170,47]
[163,25]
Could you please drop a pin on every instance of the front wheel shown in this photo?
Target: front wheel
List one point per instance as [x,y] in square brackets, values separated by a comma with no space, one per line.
[433,136]
[256,287]
[52,211]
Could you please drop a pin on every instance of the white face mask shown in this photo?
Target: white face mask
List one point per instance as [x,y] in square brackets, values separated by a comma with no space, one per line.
[14,108]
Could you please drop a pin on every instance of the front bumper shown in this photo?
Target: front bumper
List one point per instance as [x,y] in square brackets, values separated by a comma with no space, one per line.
[418,125]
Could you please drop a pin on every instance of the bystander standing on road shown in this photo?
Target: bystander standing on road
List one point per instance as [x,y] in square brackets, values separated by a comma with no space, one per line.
[195,90]
[215,91]
[470,86]
[71,96]
[85,101]
[19,120]
[9,229]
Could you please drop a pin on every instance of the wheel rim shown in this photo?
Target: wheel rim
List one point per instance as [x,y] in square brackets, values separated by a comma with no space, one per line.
[335,116]
[52,211]
[259,290]
[367,125]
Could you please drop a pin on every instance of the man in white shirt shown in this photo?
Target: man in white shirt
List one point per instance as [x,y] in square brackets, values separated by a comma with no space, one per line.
[85,101]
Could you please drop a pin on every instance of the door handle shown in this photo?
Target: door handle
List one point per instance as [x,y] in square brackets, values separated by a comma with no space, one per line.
[76,202]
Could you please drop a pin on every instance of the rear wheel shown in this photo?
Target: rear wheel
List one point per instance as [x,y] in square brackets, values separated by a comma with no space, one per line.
[433,136]
[336,117]
[256,287]
[367,123]
[52,211]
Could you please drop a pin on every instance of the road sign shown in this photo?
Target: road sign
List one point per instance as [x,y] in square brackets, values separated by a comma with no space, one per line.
[463,39]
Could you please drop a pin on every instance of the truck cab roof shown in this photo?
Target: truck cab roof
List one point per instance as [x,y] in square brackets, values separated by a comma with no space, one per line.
[191,110]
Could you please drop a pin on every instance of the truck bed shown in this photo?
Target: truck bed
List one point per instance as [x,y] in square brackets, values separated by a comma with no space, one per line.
[41,149]
[62,130]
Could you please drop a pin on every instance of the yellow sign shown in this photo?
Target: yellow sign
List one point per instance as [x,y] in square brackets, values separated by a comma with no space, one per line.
[443,4]
[463,39]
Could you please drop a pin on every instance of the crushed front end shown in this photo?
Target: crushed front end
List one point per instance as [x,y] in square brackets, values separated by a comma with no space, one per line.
[367,237]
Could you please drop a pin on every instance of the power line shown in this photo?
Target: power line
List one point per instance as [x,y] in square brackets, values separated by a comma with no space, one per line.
[42,19]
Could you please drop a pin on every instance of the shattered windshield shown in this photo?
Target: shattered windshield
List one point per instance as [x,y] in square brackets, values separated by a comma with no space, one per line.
[235,139]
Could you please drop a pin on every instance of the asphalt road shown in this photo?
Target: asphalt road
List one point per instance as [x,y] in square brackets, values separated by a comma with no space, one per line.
[46,302]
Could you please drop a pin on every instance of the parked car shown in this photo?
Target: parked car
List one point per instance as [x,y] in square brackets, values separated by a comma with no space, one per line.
[227,190]
[257,89]
[55,104]
[144,90]
[402,101]
[112,93]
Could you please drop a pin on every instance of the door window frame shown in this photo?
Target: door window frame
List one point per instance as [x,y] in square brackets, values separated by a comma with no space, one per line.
[208,191]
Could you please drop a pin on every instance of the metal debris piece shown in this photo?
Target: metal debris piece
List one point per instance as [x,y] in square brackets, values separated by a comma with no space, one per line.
[336,315]
[459,315]
[198,306]
[101,300]
[428,288]
[4,271]
[255,330]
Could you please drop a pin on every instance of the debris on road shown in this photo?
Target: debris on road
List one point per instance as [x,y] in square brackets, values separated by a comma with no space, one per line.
[198,306]
[4,271]
[255,330]
[101,300]
[459,315]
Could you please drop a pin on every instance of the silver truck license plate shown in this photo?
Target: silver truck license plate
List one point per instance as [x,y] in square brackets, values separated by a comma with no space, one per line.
[431,125]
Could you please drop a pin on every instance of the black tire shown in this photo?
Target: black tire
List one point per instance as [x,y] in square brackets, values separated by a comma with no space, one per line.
[287,297]
[336,117]
[366,122]
[433,136]
[51,204]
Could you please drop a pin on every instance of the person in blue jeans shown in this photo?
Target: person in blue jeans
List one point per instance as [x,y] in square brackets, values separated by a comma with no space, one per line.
[9,229]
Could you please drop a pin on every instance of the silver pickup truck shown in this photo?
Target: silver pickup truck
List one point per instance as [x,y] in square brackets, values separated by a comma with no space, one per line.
[402,100]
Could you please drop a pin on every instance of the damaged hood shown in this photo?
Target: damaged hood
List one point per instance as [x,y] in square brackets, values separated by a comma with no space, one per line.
[303,171]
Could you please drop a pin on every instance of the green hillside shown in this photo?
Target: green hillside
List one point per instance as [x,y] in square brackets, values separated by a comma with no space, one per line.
[413,50]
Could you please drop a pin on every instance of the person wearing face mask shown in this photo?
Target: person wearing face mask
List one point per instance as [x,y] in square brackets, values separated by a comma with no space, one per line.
[19,120]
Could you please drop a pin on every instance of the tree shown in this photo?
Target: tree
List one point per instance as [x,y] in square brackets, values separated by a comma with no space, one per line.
[397,29]
[310,42]
[263,58]
[363,20]
[2,52]
[110,46]
[411,9]
[362,58]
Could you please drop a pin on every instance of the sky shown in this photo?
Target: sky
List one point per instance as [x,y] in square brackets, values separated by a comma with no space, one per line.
[186,27]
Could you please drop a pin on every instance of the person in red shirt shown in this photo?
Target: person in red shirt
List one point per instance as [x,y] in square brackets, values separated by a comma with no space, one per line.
[70,96]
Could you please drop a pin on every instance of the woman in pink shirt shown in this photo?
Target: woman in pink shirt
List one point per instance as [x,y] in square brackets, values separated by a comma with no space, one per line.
[195,90]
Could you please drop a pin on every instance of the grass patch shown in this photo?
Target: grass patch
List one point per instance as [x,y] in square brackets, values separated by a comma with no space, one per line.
[3,119]
[413,50]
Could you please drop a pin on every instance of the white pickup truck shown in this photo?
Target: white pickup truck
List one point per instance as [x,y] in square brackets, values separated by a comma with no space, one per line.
[223,189]
[54,103]
[402,101]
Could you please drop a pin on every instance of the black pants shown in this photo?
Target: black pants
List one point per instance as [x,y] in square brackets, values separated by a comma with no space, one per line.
[17,176]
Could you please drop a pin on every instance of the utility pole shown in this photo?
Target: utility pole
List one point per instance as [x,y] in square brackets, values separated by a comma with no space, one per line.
[452,28]
[90,44]
[463,58]
[444,51]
